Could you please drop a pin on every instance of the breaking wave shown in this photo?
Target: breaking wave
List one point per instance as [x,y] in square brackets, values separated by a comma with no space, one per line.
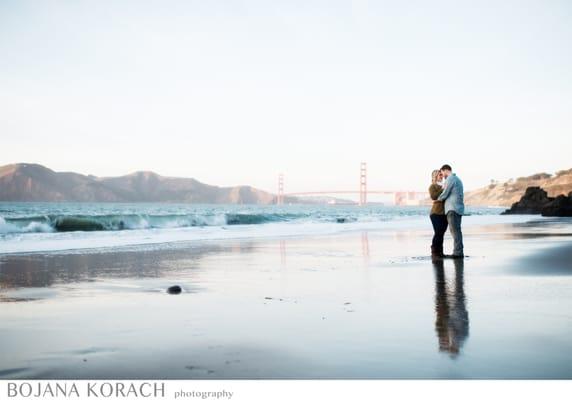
[87,223]
[32,227]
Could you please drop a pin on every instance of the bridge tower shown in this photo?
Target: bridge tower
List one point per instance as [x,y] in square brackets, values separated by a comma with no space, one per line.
[363,184]
[280,197]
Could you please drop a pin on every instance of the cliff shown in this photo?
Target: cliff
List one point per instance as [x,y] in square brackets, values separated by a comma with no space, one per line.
[511,191]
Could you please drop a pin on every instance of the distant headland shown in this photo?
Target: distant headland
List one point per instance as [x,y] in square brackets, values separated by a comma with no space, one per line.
[34,182]
[511,191]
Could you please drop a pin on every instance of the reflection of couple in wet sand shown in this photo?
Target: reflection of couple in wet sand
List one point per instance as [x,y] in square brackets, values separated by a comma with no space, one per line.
[446,191]
[452,318]
[451,315]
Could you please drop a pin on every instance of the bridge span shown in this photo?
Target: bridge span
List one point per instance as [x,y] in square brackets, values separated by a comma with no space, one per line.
[401,197]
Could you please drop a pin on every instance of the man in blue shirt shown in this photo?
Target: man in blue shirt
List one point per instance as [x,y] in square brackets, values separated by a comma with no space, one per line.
[454,207]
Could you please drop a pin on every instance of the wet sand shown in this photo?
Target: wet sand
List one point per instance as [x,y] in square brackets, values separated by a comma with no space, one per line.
[357,305]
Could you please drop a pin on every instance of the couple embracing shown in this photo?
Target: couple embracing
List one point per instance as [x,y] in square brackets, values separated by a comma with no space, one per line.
[446,191]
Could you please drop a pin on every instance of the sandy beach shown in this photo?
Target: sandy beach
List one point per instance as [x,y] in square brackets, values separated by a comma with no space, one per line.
[364,304]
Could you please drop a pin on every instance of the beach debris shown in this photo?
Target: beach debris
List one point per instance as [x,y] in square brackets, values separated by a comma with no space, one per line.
[198,368]
[272,298]
[347,307]
[174,290]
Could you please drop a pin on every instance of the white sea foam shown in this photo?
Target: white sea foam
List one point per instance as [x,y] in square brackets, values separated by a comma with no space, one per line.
[41,241]
[34,226]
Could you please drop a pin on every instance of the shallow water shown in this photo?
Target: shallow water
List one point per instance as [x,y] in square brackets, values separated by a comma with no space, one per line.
[42,227]
[365,304]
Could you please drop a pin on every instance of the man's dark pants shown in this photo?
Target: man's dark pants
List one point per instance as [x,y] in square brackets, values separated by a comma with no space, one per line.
[454,220]
[439,228]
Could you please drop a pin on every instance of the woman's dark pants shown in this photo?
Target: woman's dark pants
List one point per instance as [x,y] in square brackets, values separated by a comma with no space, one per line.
[439,227]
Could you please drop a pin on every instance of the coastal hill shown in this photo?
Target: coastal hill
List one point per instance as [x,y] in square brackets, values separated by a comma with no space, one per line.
[511,191]
[34,182]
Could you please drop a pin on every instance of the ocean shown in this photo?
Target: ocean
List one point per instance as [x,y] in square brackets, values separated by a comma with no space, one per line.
[33,227]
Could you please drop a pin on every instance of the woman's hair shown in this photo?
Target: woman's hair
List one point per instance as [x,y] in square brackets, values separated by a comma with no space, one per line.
[434,175]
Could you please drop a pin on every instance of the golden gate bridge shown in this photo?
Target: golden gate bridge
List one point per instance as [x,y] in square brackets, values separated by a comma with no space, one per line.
[400,197]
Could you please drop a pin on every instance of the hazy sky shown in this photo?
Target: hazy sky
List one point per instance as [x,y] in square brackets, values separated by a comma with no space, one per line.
[234,92]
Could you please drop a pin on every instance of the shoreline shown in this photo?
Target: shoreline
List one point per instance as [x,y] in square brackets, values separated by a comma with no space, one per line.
[63,242]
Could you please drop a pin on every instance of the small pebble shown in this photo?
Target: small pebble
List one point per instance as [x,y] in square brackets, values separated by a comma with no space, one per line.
[174,289]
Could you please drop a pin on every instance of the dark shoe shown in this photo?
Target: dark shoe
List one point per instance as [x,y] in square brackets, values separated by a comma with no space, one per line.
[435,252]
[457,256]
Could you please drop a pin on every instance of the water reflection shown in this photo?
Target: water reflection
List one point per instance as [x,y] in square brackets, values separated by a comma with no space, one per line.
[45,270]
[282,253]
[452,317]
[365,247]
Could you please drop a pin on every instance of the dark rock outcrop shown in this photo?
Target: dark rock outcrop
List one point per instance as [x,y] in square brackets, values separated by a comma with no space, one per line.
[536,201]
[561,206]
[532,202]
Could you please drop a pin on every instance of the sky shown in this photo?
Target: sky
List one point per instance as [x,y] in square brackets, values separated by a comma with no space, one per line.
[236,92]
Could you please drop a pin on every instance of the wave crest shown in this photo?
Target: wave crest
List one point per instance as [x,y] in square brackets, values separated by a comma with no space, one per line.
[117,222]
